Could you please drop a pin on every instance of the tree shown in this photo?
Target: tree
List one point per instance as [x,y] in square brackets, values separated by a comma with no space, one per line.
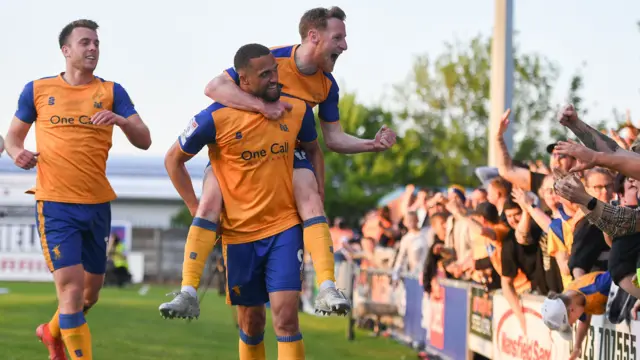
[355,182]
[182,219]
[446,101]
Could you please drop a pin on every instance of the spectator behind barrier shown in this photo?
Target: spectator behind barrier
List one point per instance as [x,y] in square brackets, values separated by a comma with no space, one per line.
[590,249]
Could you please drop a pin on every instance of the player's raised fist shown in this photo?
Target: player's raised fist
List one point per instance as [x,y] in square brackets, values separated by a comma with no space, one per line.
[385,138]
[26,159]
[568,115]
[275,110]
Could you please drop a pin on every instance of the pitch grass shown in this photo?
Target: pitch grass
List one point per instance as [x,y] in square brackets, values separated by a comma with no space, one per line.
[126,325]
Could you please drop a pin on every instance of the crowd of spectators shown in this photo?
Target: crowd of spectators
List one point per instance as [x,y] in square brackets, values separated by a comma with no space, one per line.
[529,228]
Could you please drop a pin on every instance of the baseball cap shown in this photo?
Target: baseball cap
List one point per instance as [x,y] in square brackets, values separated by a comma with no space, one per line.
[554,315]
[488,211]
[551,146]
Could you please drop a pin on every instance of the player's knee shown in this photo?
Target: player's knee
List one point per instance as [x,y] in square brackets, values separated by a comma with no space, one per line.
[70,298]
[285,314]
[287,324]
[252,321]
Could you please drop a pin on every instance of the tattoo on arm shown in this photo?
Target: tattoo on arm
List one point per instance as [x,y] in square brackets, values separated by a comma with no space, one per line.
[505,157]
[594,139]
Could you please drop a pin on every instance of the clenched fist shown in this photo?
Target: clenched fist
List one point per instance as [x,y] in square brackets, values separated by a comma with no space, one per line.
[568,115]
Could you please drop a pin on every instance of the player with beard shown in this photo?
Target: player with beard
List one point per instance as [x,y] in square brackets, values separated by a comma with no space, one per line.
[304,73]
[74,114]
[262,240]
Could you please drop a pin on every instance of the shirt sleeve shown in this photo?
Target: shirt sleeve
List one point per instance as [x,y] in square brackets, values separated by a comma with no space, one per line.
[122,104]
[233,74]
[615,220]
[509,262]
[307,131]
[328,110]
[536,181]
[26,111]
[200,131]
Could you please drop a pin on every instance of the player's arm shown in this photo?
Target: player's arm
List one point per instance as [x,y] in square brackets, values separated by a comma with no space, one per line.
[583,327]
[200,132]
[334,136]
[308,142]
[131,123]
[223,89]
[23,118]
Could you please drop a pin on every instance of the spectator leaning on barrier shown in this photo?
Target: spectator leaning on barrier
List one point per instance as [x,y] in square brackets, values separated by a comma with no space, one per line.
[583,298]
[413,249]
[520,250]
[458,235]
[560,242]
[590,250]
[549,221]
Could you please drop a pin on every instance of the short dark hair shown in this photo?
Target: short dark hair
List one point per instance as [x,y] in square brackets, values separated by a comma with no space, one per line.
[619,183]
[482,190]
[510,204]
[442,215]
[82,23]
[248,52]
[317,18]
[596,170]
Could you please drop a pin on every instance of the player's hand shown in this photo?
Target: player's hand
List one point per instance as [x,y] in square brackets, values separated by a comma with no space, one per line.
[568,115]
[275,110]
[26,159]
[1,146]
[585,156]
[106,118]
[385,138]
[576,353]
[504,124]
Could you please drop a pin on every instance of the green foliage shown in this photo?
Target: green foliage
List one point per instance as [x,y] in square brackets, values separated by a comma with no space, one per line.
[446,101]
[355,182]
[182,219]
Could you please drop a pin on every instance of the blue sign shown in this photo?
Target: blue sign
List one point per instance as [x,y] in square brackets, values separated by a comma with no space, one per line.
[413,314]
[456,321]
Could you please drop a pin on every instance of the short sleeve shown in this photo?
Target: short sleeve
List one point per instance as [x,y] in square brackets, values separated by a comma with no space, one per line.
[233,74]
[328,110]
[122,104]
[308,129]
[26,111]
[509,263]
[200,132]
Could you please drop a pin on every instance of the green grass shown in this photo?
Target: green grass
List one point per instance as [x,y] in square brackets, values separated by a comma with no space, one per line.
[125,325]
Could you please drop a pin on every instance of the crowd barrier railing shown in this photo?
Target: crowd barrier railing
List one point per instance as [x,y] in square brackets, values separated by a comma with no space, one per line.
[465,320]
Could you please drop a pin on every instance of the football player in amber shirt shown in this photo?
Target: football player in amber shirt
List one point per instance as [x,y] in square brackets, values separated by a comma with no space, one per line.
[262,240]
[305,73]
[74,115]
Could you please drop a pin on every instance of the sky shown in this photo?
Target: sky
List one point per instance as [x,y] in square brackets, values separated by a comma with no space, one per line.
[164,53]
